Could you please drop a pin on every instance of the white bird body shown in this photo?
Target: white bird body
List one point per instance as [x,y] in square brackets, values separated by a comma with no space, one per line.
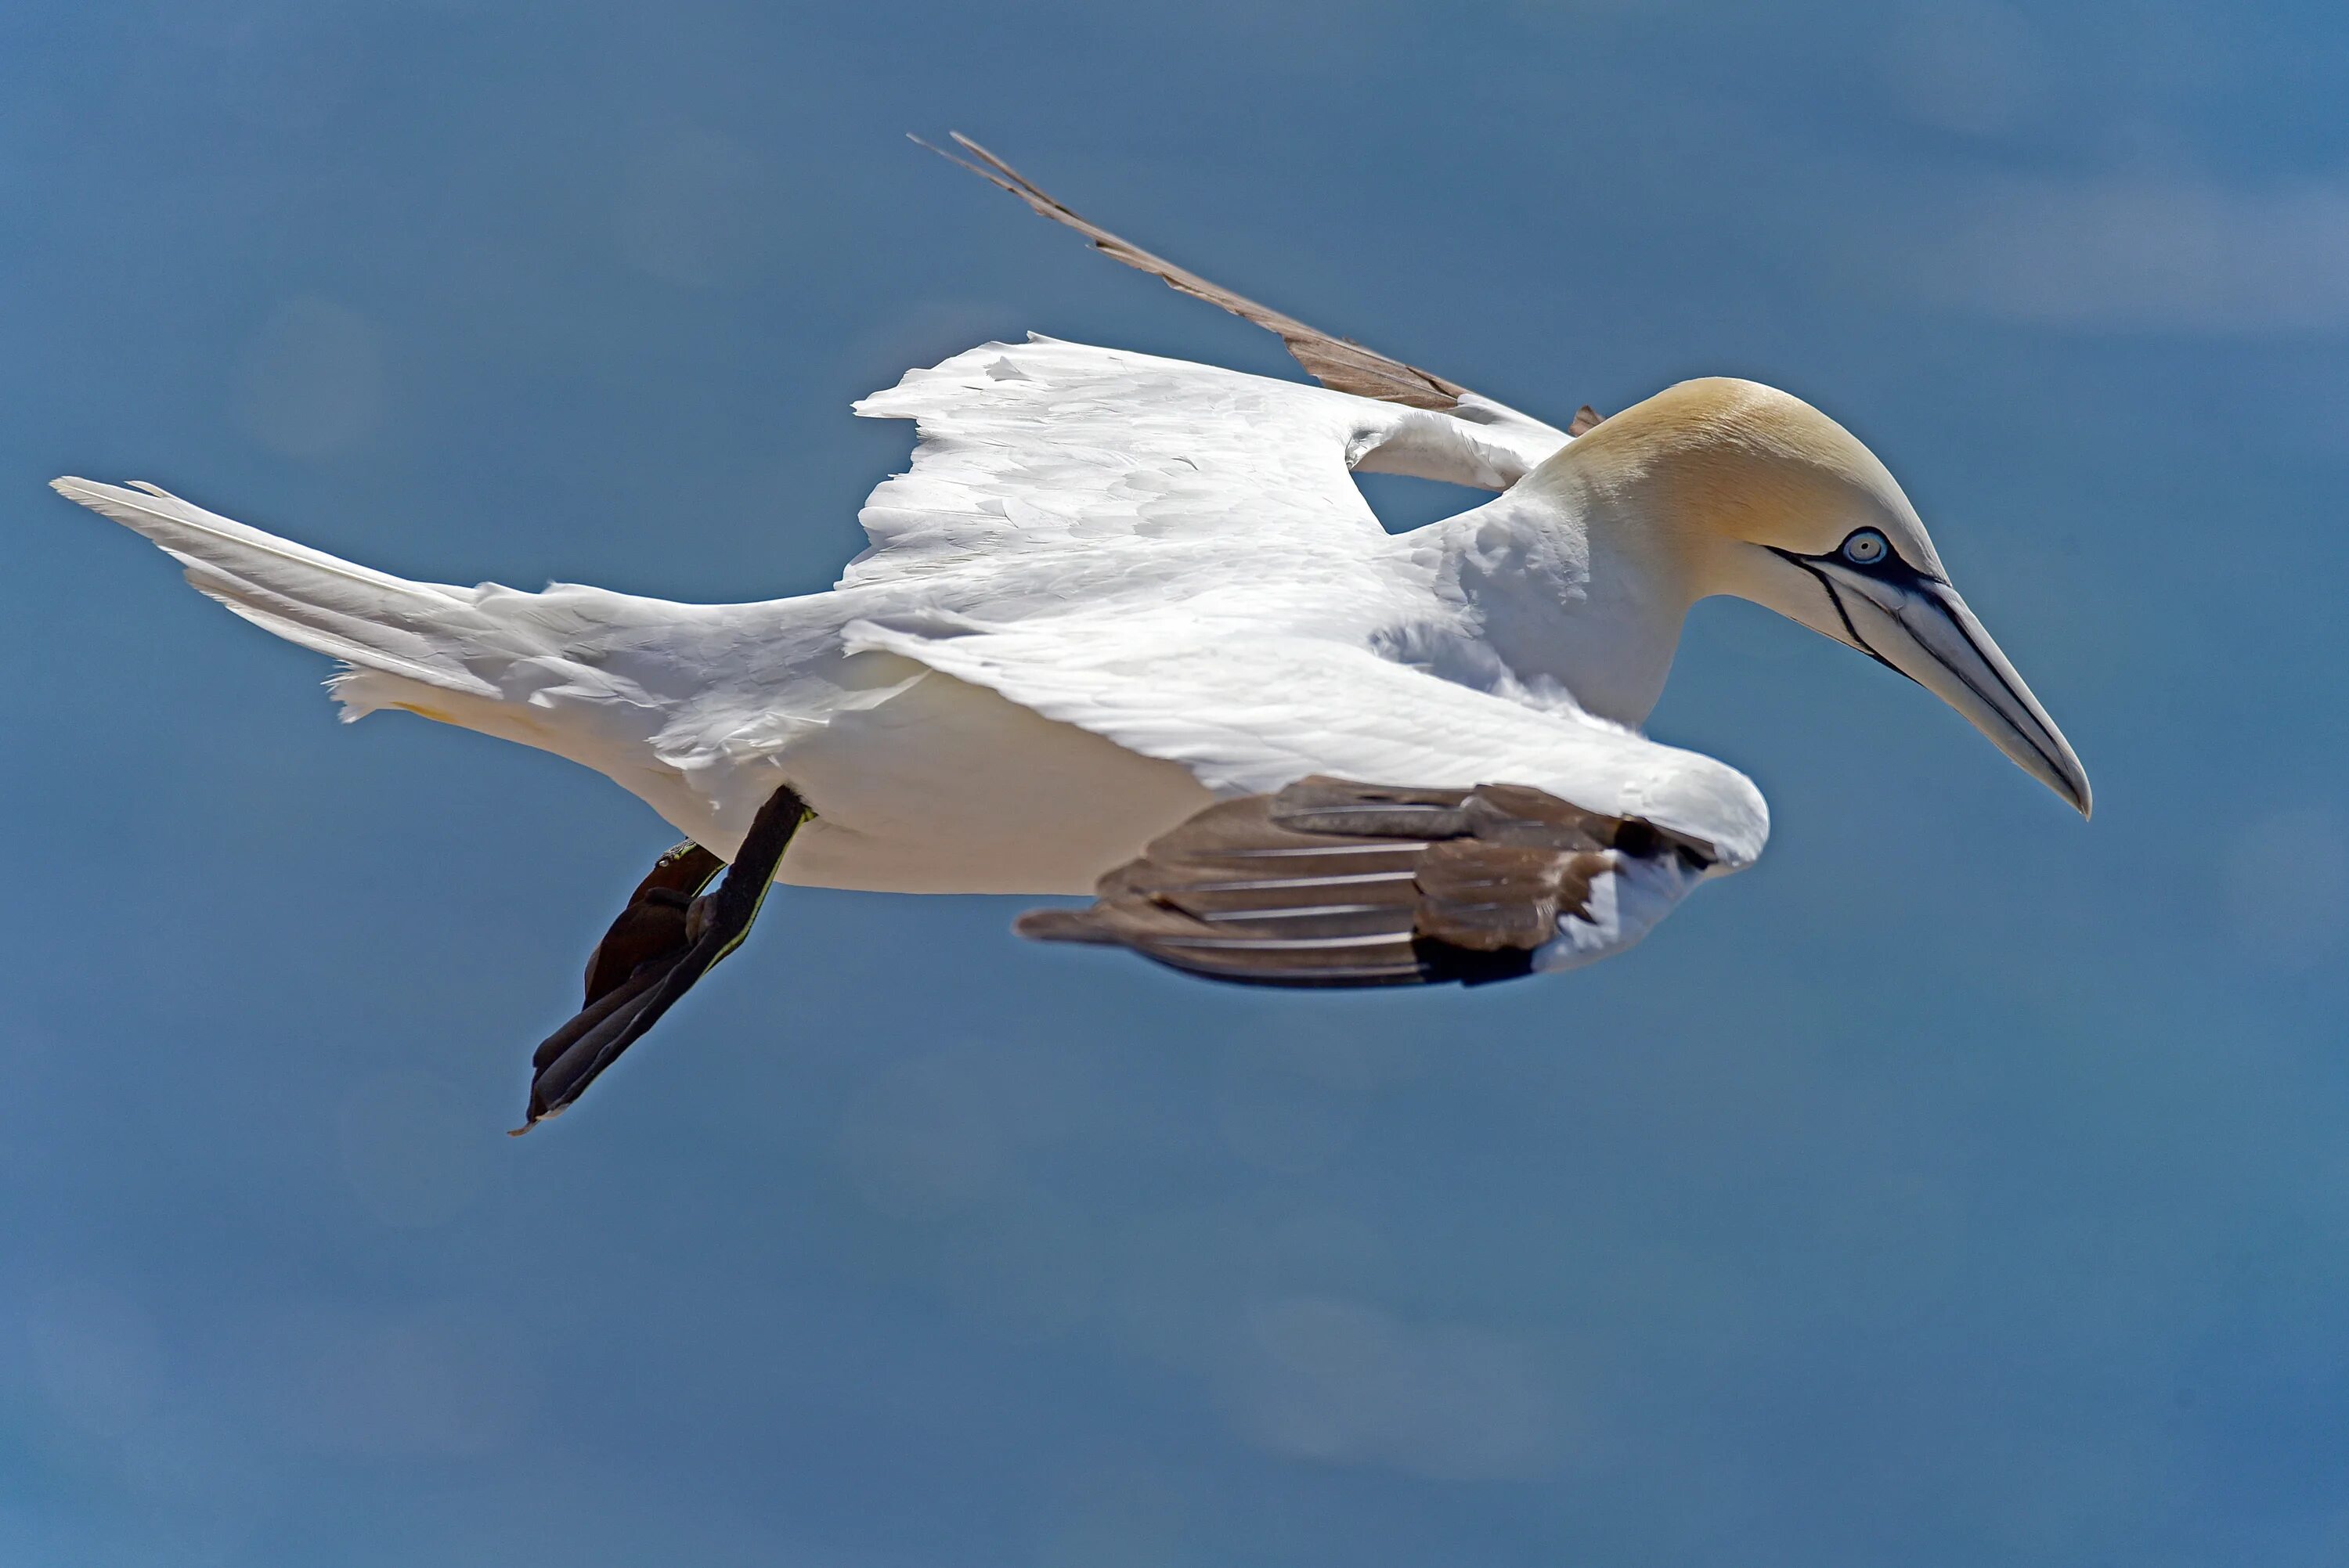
[1064,641]
[1114,590]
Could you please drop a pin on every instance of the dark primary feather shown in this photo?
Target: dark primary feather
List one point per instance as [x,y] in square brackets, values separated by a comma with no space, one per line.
[1338,362]
[1333,882]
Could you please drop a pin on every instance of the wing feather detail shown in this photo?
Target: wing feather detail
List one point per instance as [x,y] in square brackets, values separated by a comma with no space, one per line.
[1331,883]
[1338,362]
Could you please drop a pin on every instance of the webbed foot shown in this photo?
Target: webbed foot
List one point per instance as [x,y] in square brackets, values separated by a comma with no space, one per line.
[670,934]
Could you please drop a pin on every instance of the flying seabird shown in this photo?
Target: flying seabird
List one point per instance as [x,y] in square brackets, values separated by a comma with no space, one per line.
[1127,629]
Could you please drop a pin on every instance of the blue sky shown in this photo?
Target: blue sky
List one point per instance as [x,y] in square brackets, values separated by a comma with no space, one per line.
[1964,1184]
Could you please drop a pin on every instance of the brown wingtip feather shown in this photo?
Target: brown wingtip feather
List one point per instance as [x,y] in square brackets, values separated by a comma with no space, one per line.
[1585,418]
[1062,925]
[1338,362]
[1329,882]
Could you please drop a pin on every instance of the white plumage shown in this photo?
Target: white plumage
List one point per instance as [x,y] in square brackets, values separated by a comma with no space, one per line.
[1164,568]
[1114,588]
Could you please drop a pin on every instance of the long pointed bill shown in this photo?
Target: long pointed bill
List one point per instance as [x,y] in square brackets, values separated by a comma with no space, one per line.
[1924,630]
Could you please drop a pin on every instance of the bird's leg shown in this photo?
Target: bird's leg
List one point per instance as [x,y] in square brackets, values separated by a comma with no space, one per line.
[668,936]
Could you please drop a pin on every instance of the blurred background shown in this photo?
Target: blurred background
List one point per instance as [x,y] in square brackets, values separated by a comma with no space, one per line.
[1965,1184]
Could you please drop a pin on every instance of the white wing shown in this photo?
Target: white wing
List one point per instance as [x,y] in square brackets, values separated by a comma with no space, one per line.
[1250,713]
[1034,456]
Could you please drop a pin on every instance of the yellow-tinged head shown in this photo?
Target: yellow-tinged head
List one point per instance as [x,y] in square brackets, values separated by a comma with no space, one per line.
[1754,492]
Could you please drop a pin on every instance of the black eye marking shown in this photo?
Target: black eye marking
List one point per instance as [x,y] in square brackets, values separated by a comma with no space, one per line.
[1884,564]
[1866,552]
[1866,547]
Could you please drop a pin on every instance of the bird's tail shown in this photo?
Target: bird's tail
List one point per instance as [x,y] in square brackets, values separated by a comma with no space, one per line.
[487,658]
[370,620]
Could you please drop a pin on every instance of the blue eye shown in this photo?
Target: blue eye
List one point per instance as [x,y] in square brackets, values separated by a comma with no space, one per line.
[1866,548]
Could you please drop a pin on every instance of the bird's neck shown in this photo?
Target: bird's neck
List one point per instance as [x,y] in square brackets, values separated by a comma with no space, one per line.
[1555,591]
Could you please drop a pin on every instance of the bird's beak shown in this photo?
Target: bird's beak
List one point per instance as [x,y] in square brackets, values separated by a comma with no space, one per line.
[1920,626]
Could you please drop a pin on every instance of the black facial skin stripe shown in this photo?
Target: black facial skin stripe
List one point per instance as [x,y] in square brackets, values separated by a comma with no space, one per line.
[1894,570]
[1810,566]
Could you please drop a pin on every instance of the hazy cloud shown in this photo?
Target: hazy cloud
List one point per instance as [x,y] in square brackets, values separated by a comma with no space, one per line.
[2146,250]
[93,1353]
[918,1144]
[690,209]
[312,382]
[387,1385]
[412,1149]
[1972,66]
[1328,1378]
[2286,886]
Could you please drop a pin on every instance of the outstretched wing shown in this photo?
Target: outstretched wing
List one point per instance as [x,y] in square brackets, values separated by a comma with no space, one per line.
[1597,834]
[1338,362]
[1334,883]
[1049,449]
[1063,453]
[1249,711]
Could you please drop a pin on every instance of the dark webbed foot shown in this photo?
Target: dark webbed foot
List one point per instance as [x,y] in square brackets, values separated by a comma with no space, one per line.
[663,942]
[654,922]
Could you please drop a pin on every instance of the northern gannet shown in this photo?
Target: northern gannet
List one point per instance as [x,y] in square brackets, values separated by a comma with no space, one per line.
[1126,627]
